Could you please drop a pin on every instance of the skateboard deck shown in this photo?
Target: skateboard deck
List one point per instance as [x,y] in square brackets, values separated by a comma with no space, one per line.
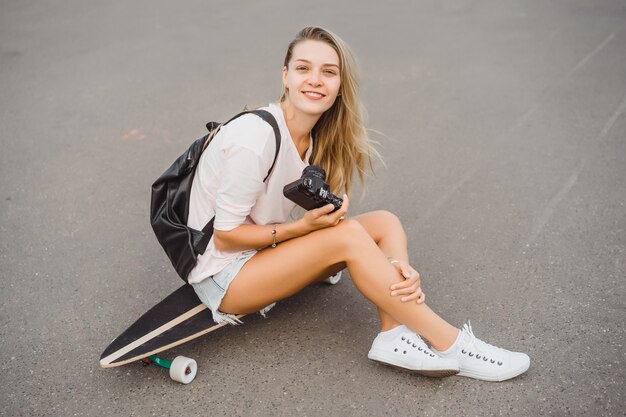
[179,318]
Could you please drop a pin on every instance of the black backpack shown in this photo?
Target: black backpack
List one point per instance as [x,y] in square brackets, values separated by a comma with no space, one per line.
[169,206]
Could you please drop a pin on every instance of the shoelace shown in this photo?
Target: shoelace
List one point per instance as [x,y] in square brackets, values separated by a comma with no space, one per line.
[478,349]
[420,346]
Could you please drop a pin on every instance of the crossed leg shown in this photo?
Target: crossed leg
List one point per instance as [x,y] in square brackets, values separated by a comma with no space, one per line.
[362,244]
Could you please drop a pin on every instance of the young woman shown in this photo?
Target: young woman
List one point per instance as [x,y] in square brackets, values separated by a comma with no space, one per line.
[261,252]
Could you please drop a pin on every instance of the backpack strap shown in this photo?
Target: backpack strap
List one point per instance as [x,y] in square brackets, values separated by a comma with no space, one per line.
[207,231]
[269,118]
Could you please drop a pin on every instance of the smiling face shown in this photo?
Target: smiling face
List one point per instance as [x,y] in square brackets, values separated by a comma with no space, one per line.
[312,77]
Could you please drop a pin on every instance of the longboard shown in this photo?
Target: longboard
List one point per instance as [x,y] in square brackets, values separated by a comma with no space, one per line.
[177,319]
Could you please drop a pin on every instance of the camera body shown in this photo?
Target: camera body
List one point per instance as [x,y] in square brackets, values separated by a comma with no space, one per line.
[311,191]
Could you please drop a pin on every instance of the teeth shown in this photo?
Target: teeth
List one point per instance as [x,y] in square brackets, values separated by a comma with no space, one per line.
[312,94]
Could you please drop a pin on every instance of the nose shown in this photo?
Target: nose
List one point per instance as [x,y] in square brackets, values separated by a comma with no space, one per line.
[315,79]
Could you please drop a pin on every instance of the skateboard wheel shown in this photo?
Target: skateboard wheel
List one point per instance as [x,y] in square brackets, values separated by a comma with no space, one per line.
[183,369]
[333,279]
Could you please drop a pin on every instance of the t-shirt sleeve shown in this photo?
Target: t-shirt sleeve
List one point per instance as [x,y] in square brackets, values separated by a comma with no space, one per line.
[241,179]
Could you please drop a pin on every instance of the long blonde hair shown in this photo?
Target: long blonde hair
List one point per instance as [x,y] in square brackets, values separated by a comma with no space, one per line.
[341,145]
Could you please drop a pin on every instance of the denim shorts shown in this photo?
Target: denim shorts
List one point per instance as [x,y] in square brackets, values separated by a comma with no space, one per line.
[212,290]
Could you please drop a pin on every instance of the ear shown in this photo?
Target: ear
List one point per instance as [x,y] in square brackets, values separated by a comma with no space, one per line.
[284,76]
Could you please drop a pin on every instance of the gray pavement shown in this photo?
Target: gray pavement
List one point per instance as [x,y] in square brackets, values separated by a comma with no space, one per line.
[503,128]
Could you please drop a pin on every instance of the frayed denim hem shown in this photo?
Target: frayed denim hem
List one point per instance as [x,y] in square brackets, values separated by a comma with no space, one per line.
[264,310]
[219,317]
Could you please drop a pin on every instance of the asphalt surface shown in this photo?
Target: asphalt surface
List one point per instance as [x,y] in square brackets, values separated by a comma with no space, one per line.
[503,128]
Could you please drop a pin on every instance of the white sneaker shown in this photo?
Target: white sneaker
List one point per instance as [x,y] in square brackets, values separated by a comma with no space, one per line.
[403,348]
[481,360]
[333,279]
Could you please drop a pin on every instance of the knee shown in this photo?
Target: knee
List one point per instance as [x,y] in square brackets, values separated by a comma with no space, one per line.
[351,229]
[347,237]
[351,238]
[387,217]
[349,233]
[390,222]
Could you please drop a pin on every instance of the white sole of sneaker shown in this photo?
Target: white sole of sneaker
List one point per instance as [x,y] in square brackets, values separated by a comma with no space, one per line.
[501,378]
[433,373]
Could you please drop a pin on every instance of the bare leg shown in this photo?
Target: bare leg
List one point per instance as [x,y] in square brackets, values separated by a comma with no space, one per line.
[387,231]
[276,273]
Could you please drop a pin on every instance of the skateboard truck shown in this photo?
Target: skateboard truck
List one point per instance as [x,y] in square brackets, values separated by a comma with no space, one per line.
[182,369]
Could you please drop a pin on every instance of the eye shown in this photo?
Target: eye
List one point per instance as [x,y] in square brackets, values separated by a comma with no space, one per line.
[331,72]
[301,68]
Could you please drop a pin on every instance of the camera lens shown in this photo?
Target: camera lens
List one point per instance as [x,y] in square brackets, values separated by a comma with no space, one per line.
[314,171]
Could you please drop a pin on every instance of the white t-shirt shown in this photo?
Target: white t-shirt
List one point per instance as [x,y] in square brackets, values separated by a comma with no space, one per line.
[228,183]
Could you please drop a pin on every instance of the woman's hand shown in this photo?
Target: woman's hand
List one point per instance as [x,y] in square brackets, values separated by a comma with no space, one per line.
[410,287]
[322,217]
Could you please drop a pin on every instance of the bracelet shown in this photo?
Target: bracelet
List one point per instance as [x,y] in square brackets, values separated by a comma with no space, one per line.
[392,261]
[274,236]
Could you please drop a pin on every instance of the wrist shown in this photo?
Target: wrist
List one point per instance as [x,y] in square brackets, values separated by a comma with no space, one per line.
[301,227]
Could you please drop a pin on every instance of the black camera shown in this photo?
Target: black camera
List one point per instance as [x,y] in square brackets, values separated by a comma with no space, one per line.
[311,190]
